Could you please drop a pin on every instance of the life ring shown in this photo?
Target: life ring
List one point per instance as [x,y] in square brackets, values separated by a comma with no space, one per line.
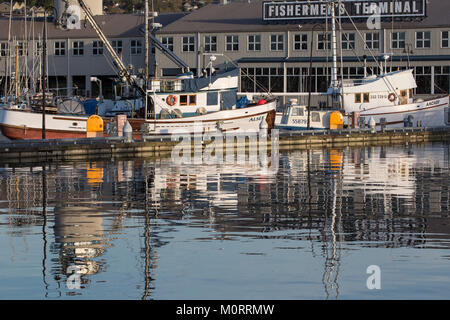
[171,100]
[392,97]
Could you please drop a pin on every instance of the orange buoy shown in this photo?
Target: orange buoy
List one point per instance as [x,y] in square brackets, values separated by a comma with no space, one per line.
[336,120]
[94,126]
[171,100]
[392,97]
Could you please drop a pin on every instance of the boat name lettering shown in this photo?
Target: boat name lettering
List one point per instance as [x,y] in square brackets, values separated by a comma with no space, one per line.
[433,103]
[257,118]
[299,121]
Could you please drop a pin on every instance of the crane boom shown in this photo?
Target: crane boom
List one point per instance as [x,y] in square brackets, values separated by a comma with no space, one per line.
[122,69]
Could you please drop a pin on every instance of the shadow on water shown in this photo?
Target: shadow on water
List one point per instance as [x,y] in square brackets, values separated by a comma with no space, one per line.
[332,201]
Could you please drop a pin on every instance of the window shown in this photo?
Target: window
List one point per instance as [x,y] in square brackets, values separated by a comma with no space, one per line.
[366,98]
[210,44]
[298,112]
[212,98]
[38,50]
[315,117]
[423,79]
[167,42]
[136,46]
[78,48]
[357,97]
[183,100]
[323,41]
[188,44]
[423,39]
[192,100]
[117,46]
[254,42]
[262,79]
[398,40]
[445,36]
[22,48]
[232,43]
[276,42]
[97,48]
[301,42]
[3,49]
[372,40]
[60,48]
[348,41]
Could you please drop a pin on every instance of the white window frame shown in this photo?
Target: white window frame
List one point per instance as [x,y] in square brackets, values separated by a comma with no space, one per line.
[398,41]
[58,50]
[77,48]
[445,39]
[301,42]
[135,47]
[3,49]
[423,40]
[208,41]
[234,42]
[277,41]
[255,42]
[117,46]
[189,45]
[167,42]
[372,41]
[97,45]
[326,43]
[350,43]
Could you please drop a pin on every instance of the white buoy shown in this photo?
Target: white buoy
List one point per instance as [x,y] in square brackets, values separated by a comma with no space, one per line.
[128,132]
[372,123]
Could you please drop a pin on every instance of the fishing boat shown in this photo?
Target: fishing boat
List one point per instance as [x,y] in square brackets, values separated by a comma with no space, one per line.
[187,104]
[386,99]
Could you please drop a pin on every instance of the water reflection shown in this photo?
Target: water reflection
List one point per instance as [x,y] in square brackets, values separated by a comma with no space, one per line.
[88,214]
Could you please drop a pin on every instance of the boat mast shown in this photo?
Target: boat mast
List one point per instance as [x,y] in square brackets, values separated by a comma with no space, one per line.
[8,58]
[44,71]
[25,46]
[17,78]
[334,69]
[146,59]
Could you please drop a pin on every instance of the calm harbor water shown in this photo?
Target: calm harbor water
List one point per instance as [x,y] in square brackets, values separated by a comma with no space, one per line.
[152,229]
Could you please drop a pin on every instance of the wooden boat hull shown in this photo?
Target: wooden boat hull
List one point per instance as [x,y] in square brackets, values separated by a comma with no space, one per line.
[21,124]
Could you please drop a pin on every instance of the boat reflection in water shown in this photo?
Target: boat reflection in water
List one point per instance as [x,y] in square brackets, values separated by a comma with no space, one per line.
[158,218]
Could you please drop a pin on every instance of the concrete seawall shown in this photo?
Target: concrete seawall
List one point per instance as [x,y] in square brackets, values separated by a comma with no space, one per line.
[26,151]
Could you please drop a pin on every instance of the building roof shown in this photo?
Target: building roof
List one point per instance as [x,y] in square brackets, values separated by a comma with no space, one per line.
[114,26]
[246,16]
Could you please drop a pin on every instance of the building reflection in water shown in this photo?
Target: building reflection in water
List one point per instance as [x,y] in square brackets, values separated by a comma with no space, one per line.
[376,196]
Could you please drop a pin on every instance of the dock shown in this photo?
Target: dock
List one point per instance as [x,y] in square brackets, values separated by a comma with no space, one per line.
[88,149]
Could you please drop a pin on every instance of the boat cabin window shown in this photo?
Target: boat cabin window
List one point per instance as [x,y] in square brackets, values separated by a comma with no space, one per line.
[183,100]
[357,97]
[315,117]
[366,98]
[192,100]
[403,93]
[411,93]
[168,86]
[297,112]
[212,98]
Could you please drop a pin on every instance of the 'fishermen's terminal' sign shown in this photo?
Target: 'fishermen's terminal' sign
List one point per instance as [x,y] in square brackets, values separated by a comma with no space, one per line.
[304,10]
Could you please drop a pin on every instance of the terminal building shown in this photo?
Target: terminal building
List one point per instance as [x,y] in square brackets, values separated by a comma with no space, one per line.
[271,43]
[272,46]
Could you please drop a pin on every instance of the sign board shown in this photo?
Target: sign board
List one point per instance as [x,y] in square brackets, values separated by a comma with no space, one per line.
[356,9]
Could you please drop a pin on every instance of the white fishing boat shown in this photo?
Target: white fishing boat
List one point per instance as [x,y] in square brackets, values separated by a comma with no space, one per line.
[389,99]
[184,103]
[295,117]
[386,99]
